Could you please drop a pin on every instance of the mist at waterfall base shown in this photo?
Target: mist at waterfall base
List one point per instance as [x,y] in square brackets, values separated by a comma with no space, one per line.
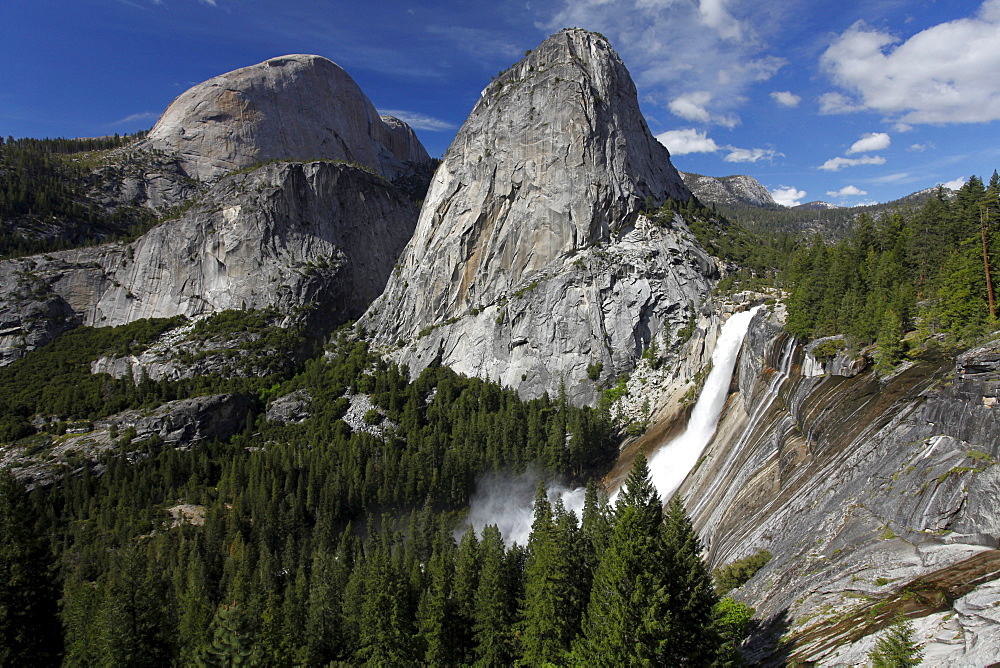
[508,501]
[669,465]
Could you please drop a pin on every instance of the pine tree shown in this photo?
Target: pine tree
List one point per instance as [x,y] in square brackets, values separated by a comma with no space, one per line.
[194,610]
[889,342]
[137,625]
[231,644]
[493,609]
[29,624]
[693,639]
[324,619]
[467,567]
[436,618]
[628,618]
[897,648]
[385,629]
[547,612]
[640,493]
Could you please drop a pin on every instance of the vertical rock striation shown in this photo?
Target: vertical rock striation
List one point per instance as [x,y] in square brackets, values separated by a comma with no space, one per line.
[878,496]
[531,258]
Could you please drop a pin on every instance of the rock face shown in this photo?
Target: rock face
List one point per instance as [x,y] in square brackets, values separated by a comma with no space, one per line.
[142,178]
[294,107]
[188,421]
[738,189]
[287,235]
[531,259]
[877,496]
[818,205]
[180,424]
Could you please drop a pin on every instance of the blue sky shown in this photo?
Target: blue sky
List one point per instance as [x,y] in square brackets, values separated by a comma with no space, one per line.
[849,102]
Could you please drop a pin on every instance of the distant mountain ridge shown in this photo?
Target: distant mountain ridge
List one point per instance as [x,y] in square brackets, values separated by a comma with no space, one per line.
[817,205]
[743,199]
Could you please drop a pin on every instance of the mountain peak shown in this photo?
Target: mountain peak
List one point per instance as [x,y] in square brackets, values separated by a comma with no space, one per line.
[554,162]
[297,106]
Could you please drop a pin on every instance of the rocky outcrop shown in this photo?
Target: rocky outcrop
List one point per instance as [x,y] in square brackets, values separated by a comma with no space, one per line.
[531,259]
[735,190]
[877,496]
[292,408]
[298,107]
[291,236]
[132,177]
[178,424]
[188,421]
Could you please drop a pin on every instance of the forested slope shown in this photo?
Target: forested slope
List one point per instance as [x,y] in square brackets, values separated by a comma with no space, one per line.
[305,542]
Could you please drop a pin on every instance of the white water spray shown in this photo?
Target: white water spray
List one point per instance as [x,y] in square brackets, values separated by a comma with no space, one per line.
[508,501]
[671,463]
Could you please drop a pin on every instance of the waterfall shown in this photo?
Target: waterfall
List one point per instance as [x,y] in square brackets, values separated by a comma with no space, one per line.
[671,463]
[763,405]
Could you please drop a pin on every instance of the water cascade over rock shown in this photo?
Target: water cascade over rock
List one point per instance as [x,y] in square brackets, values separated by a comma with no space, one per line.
[877,496]
[670,464]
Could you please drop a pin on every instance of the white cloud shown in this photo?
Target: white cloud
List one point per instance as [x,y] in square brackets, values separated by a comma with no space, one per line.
[689,140]
[847,191]
[836,164]
[920,147]
[715,15]
[788,196]
[944,74]
[872,141]
[956,184]
[786,98]
[694,107]
[696,57]
[750,154]
[681,142]
[419,121]
[135,118]
[837,103]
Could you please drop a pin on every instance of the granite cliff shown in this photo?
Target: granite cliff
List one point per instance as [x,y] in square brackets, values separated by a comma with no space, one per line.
[877,496]
[298,106]
[321,235]
[532,258]
[733,190]
[315,235]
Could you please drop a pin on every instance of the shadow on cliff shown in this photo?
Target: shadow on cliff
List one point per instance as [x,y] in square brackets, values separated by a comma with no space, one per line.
[764,646]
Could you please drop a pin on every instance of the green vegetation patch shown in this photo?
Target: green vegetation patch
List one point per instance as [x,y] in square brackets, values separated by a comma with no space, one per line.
[44,200]
[739,572]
